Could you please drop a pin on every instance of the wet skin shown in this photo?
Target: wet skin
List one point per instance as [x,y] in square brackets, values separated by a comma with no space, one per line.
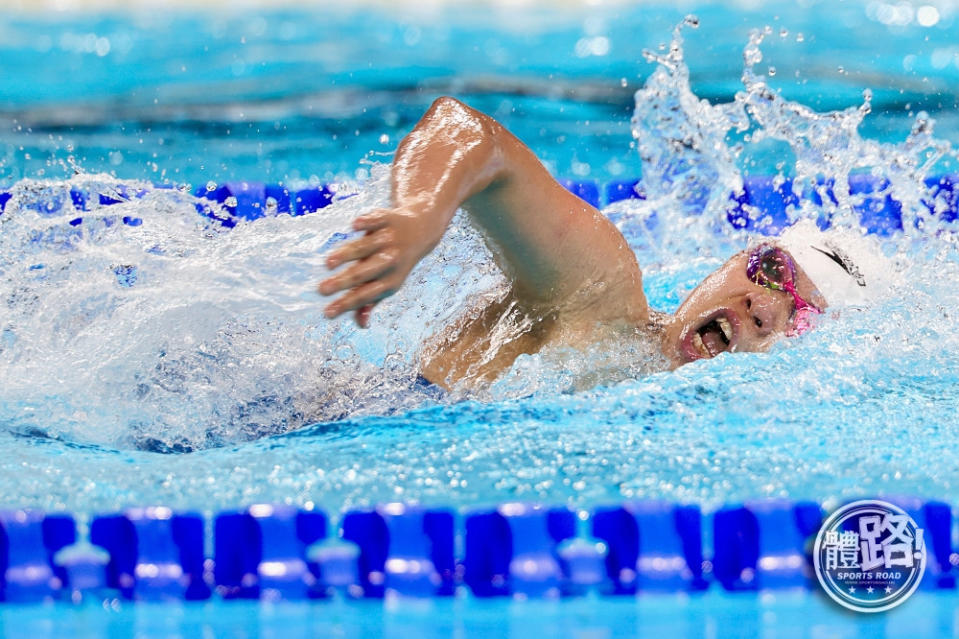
[570,272]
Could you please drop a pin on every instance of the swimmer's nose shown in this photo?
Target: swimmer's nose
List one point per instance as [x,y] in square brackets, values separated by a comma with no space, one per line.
[761,310]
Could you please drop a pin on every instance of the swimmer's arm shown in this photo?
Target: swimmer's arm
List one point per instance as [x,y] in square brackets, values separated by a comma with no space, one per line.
[547,241]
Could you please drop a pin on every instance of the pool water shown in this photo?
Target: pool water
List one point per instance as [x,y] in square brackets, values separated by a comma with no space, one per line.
[789,615]
[221,94]
[173,361]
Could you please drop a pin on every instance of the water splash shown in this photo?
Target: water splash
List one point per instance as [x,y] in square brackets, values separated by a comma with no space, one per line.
[828,149]
[690,161]
[681,138]
[148,325]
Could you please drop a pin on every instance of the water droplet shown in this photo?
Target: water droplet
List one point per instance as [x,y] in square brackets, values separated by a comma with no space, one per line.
[772,71]
[210,186]
[800,37]
[783,33]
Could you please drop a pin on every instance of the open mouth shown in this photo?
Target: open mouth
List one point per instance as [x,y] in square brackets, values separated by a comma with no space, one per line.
[716,335]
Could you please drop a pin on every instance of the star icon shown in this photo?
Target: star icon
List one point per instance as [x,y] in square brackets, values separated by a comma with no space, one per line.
[870,589]
[888,589]
[852,589]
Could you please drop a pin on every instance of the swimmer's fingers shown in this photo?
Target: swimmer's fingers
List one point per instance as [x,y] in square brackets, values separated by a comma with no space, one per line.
[363,295]
[372,220]
[382,259]
[361,272]
[362,315]
[359,248]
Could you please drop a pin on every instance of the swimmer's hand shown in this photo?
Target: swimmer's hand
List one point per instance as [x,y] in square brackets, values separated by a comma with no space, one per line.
[394,241]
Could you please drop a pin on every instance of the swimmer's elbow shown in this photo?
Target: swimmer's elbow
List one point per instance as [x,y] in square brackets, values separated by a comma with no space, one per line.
[462,120]
[473,132]
[446,103]
[452,112]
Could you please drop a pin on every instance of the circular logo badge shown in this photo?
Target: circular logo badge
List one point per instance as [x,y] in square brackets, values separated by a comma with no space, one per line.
[869,556]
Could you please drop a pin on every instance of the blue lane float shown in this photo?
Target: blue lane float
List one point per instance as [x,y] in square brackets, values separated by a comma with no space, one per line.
[935,518]
[28,574]
[770,198]
[513,550]
[253,200]
[403,550]
[762,544]
[653,545]
[764,205]
[619,190]
[154,553]
[261,552]
[279,552]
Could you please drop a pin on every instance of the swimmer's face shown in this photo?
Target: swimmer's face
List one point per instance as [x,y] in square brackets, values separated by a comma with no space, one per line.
[730,312]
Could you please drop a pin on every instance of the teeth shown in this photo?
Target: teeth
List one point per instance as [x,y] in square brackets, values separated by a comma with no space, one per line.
[726,328]
[698,343]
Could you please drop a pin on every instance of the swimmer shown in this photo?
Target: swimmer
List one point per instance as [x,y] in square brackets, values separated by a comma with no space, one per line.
[572,278]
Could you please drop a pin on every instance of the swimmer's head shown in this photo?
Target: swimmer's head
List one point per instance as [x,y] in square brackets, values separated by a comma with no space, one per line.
[731,311]
[771,290]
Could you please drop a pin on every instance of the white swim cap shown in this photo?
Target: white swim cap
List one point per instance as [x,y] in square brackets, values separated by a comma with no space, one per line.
[844,267]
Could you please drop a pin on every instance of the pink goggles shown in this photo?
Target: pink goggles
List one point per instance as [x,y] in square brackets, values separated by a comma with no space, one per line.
[773,268]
